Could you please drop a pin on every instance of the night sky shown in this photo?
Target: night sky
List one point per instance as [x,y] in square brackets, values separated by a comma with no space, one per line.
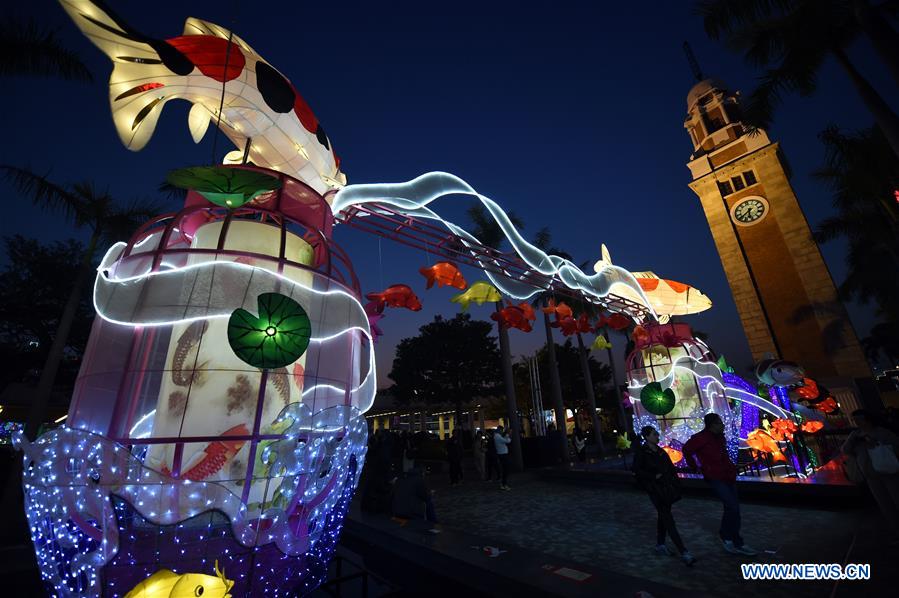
[570,114]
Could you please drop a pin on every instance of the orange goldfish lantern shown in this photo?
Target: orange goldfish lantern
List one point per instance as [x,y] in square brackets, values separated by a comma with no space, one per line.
[397,295]
[567,325]
[561,309]
[673,454]
[444,274]
[763,442]
[812,426]
[512,316]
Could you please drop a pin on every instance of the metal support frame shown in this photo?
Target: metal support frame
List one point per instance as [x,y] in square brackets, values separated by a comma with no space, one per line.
[384,221]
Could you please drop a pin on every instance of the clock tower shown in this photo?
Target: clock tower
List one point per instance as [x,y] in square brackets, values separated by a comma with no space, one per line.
[766,248]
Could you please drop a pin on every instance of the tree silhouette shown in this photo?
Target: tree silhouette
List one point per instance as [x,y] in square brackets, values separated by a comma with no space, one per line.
[32,298]
[107,221]
[792,39]
[449,362]
[489,233]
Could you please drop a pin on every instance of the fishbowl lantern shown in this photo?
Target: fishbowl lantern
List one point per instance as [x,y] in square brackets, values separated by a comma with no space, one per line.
[673,382]
[218,413]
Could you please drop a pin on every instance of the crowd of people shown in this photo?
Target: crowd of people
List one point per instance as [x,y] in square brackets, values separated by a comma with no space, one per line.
[398,463]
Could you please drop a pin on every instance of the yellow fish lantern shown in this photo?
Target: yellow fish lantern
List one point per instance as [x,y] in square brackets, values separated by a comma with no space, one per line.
[600,343]
[479,292]
[168,584]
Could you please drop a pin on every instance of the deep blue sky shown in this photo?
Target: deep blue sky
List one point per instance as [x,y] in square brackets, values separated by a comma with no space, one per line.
[568,113]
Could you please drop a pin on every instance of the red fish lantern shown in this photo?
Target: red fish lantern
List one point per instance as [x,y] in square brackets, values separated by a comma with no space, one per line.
[567,325]
[808,390]
[784,428]
[640,336]
[811,427]
[397,295]
[583,324]
[512,317]
[618,322]
[561,309]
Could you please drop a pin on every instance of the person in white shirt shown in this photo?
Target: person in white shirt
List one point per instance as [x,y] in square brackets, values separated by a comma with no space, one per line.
[502,440]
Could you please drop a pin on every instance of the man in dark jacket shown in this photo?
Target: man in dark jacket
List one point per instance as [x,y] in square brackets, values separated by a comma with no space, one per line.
[721,474]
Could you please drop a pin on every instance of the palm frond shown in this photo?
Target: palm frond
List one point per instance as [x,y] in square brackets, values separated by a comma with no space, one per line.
[172,192]
[28,50]
[42,191]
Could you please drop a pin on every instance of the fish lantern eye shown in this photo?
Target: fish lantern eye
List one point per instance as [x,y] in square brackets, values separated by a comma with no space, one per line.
[198,591]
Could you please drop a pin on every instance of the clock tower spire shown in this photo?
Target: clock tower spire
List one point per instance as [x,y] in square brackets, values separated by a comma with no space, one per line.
[772,264]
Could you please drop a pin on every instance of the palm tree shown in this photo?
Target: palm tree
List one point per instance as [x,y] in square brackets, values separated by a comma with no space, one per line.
[27,49]
[85,207]
[591,311]
[792,38]
[864,176]
[542,240]
[490,235]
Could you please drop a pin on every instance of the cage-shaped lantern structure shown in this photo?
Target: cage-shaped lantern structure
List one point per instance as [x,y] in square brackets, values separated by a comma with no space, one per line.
[673,381]
[218,413]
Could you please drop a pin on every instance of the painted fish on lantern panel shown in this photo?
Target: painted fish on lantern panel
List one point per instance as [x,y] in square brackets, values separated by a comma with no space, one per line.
[444,274]
[479,292]
[168,584]
[397,295]
[202,67]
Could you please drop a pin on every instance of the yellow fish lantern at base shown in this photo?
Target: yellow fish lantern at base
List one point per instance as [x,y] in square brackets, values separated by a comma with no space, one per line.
[168,584]
[479,292]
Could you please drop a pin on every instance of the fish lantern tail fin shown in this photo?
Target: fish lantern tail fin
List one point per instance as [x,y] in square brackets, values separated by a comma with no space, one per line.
[429,276]
[141,69]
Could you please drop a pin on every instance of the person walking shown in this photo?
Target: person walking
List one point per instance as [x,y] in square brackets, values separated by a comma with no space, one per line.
[477,451]
[874,449]
[492,461]
[454,456]
[502,440]
[656,474]
[580,444]
[720,474]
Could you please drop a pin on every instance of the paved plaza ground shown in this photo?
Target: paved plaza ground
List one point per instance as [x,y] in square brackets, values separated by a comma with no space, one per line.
[613,528]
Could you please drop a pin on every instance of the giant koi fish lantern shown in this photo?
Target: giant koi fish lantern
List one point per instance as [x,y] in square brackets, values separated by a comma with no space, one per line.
[673,382]
[218,414]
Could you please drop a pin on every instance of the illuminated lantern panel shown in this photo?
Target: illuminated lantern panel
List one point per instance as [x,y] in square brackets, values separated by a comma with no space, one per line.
[672,366]
[218,414]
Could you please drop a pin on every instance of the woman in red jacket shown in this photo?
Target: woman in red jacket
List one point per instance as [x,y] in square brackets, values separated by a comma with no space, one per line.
[721,474]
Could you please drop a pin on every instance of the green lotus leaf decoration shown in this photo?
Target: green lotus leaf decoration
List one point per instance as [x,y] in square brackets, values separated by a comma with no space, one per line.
[657,401]
[226,187]
[274,339]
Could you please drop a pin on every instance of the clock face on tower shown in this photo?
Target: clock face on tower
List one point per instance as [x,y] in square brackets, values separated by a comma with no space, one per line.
[748,211]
